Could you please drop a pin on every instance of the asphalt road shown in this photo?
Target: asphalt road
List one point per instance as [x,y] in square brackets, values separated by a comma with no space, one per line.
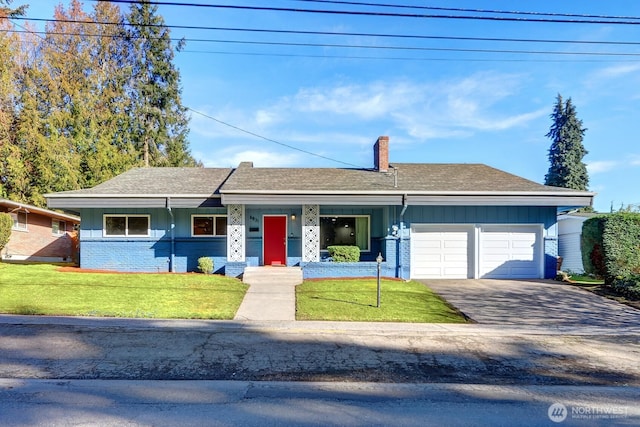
[239,403]
[44,348]
[75,371]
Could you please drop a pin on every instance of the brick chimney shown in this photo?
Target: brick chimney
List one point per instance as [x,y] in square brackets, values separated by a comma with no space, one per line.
[381,154]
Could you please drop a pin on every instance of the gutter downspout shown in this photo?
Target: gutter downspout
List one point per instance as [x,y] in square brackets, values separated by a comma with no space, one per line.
[173,226]
[405,204]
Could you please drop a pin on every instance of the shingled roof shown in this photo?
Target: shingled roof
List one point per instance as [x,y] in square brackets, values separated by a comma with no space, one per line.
[401,178]
[159,182]
[385,184]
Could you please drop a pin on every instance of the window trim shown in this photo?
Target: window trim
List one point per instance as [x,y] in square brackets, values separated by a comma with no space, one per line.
[126,227]
[62,230]
[368,249]
[215,231]
[16,221]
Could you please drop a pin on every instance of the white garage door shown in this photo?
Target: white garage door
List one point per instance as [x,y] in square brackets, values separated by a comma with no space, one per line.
[440,252]
[510,252]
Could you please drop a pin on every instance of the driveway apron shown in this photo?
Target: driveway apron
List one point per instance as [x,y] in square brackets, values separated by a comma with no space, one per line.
[533,303]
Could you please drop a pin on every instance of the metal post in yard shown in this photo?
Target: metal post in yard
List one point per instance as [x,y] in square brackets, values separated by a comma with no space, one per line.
[379,261]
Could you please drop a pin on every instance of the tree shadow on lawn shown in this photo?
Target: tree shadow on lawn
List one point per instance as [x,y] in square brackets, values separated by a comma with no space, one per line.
[342,301]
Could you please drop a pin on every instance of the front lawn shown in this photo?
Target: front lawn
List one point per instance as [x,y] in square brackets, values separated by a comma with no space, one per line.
[42,289]
[355,300]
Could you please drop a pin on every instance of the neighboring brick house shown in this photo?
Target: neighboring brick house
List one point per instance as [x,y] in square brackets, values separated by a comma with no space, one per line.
[39,234]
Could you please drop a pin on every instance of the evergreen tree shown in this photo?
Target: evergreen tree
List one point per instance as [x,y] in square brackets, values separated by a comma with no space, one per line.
[111,150]
[8,12]
[161,124]
[8,94]
[566,167]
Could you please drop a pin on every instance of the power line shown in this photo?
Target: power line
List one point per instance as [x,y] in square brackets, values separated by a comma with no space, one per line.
[350,46]
[399,58]
[271,140]
[457,9]
[351,34]
[608,20]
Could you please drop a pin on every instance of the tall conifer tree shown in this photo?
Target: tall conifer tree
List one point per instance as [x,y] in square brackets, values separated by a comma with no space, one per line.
[162,123]
[566,167]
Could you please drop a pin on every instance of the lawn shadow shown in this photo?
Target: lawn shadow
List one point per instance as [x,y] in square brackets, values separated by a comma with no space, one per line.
[344,301]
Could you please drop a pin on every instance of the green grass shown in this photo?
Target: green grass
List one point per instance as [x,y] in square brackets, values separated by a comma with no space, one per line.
[585,279]
[41,289]
[355,300]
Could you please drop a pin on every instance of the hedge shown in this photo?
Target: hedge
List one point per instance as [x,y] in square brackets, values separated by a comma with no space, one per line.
[344,253]
[611,246]
[6,223]
[627,286]
[591,246]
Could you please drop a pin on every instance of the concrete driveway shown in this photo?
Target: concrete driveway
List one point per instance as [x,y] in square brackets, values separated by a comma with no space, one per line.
[533,302]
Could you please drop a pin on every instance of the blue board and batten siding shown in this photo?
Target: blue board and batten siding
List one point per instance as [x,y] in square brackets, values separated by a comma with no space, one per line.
[544,215]
[153,253]
[396,250]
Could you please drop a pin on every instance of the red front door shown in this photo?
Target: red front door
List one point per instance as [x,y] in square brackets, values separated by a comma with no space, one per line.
[275,240]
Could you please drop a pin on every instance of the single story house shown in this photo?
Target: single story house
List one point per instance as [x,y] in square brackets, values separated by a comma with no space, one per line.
[569,237]
[427,220]
[39,234]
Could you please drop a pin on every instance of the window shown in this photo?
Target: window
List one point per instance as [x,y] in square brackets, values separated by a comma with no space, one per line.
[58,227]
[344,230]
[126,226]
[19,221]
[208,225]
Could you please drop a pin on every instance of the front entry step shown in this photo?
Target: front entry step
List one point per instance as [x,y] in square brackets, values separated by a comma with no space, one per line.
[274,275]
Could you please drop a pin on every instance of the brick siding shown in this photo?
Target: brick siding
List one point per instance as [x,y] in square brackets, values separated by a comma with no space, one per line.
[38,242]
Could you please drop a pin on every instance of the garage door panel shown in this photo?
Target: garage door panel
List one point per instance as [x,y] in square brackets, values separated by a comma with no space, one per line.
[456,244]
[432,258]
[495,244]
[510,252]
[438,252]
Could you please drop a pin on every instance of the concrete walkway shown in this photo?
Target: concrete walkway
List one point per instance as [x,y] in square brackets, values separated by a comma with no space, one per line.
[271,294]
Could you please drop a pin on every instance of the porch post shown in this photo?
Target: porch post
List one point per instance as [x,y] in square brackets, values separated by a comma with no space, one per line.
[310,233]
[235,233]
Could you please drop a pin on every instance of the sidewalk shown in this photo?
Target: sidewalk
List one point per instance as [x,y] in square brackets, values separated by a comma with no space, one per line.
[271,294]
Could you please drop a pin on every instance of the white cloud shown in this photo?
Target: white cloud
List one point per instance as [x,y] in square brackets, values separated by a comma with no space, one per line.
[363,101]
[601,166]
[450,108]
[617,71]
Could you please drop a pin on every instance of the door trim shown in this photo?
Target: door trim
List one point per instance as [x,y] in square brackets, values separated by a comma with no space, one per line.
[286,240]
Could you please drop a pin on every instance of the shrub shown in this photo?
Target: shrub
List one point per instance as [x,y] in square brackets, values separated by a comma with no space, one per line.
[627,286]
[6,223]
[611,248]
[621,245]
[344,253]
[591,246]
[205,264]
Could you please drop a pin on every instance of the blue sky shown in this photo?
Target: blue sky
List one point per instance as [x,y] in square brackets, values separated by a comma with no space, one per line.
[438,106]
